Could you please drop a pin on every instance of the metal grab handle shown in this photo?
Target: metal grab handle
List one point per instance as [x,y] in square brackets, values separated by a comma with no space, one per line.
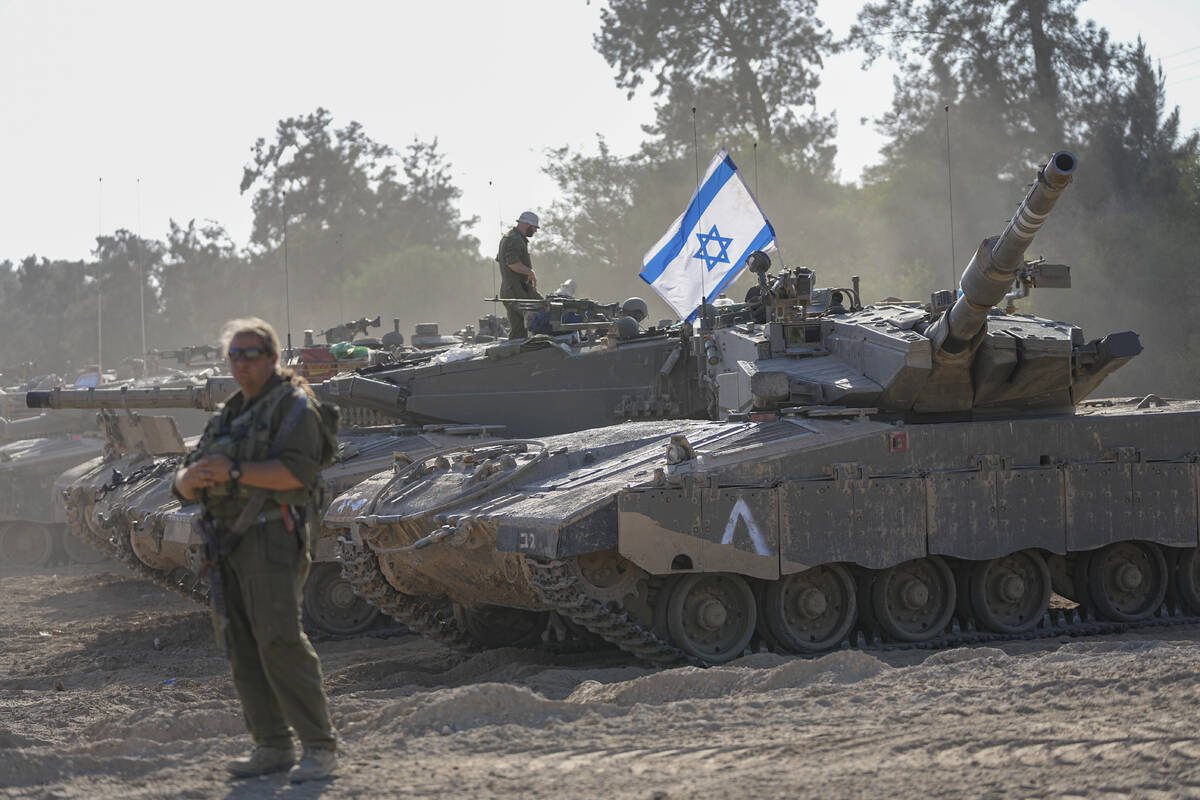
[424,541]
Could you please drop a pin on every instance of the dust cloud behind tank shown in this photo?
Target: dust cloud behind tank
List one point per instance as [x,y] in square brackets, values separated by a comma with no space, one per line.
[880,474]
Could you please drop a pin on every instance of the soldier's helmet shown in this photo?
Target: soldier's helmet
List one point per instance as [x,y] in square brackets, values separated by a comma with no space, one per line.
[635,307]
[530,217]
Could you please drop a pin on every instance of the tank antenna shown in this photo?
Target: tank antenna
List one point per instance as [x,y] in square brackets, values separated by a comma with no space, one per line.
[696,161]
[500,222]
[141,266]
[287,289]
[756,169]
[99,282]
[341,285]
[950,196]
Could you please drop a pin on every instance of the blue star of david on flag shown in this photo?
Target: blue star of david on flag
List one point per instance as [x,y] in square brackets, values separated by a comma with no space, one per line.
[723,242]
[722,205]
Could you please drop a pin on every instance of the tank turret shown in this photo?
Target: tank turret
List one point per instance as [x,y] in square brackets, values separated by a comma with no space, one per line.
[989,276]
[807,347]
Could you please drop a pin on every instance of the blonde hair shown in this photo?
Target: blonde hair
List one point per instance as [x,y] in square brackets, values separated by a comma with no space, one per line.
[270,339]
[259,327]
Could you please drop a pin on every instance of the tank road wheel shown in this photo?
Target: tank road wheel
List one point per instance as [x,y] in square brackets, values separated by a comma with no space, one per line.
[913,601]
[500,626]
[1010,594]
[78,551]
[812,610]
[712,615]
[330,604]
[26,544]
[1185,579]
[1127,581]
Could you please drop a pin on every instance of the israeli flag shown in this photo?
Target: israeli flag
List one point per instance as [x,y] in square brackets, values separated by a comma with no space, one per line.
[706,248]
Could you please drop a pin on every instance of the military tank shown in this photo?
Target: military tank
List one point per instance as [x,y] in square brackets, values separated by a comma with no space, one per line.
[591,365]
[121,503]
[900,474]
[36,450]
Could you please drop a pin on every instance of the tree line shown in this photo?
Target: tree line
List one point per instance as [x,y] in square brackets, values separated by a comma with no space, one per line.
[356,220]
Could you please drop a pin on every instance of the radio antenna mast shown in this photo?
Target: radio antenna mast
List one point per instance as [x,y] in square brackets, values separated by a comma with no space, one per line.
[287,288]
[141,266]
[99,282]
[950,196]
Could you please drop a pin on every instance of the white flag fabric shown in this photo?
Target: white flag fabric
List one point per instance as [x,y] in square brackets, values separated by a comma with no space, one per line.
[706,248]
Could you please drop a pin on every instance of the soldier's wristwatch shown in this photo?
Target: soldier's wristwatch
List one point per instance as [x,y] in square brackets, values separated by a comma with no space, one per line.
[235,472]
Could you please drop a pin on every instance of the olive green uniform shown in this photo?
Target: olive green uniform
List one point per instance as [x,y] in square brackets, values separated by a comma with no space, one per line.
[275,669]
[514,249]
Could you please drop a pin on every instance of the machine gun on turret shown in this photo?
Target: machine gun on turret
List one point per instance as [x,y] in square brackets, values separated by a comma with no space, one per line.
[189,354]
[347,330]
[560,314]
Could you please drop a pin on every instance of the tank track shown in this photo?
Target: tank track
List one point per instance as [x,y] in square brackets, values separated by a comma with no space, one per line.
[559,586]
[361,567]
[117,544]
[119,547]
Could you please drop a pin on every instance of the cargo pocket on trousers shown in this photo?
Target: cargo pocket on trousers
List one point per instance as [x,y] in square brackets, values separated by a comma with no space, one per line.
[281,546]
[273,608]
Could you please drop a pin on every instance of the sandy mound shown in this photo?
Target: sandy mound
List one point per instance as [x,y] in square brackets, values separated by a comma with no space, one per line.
[108,685]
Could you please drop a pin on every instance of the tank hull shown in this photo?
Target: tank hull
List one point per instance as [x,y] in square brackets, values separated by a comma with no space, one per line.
[913,525]
[32,524]
[125,506]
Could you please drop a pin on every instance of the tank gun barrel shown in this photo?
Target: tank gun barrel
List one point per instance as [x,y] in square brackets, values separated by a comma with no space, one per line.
[350,391]
[205,397]
[989,276]
[358,391]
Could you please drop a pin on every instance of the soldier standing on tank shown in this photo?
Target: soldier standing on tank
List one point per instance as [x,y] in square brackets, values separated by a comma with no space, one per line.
[263,450]
[517,281]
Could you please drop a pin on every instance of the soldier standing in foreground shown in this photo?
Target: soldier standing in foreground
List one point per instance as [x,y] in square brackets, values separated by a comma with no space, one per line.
[517,280]
[254,472]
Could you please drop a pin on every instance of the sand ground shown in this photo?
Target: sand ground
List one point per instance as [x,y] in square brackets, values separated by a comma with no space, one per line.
[111,686]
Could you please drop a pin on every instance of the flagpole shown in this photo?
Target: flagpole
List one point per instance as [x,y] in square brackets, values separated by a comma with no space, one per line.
[705,323]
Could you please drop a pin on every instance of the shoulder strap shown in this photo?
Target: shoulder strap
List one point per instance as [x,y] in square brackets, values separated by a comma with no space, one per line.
[254,505]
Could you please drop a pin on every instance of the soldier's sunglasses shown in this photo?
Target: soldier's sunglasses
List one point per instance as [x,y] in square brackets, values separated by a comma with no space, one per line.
[247,353]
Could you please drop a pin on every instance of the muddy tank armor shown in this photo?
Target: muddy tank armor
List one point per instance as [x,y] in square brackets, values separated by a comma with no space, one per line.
[895,475]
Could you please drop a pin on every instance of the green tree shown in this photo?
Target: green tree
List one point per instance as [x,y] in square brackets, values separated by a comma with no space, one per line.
[328,201]
[751,67]
[47,317]
[1022,70]
[203,281]
[125,265]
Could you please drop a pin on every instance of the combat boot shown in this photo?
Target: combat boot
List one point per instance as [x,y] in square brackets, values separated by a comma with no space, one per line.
[317,763]
[263,761]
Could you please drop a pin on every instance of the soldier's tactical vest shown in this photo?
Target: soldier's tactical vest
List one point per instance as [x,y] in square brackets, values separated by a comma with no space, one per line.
[510,281]
[244,438]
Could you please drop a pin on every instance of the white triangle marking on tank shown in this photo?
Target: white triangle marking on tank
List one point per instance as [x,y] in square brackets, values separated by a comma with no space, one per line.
[741,511]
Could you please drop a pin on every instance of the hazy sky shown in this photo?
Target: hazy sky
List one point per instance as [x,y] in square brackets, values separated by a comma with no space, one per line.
[163,100]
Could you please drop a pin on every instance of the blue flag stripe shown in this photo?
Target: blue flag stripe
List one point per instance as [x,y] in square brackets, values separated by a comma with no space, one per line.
[763,238]
[700,203]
